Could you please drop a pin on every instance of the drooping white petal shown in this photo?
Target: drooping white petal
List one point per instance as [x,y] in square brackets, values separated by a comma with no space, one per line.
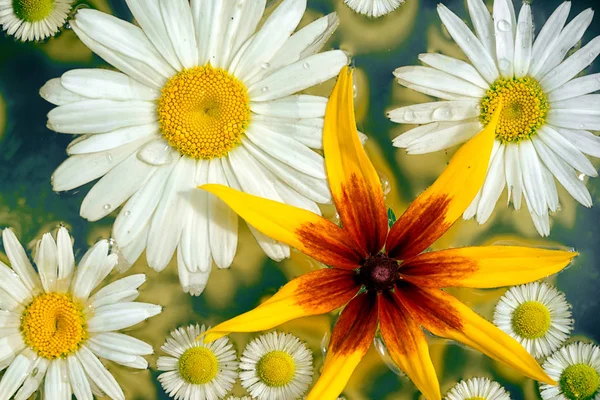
[514,178]
[575,88]
[134,249]
[504,29]
[95,83]
[99,374]
[119,137]
[436,79]
[446,135]
[308,131]
[584,141]
[114,317]
[532,176]
[19,261]
[547,36]
[425,113]
[564,149]
[404,139]
[46,259]
[550,186]
[191,282]
[295,106]
[125,288]
[56,387]
[483,24]
[54,92]
[65,259]
[493,187]
[470,45]
[523,41]
[93,267]
[454,67]
[79,380]
[177,18]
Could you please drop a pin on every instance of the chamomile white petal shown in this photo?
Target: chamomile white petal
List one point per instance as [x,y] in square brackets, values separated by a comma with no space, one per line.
[478,388]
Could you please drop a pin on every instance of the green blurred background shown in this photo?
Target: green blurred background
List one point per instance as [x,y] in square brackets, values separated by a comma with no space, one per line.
[29,153]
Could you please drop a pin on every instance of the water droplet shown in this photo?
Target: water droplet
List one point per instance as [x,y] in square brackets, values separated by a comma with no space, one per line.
[385,356]
[35,371]
[592,55]
[582,126]
[265,89]
[409,115]
[265,65]
[442,113]
[325,344]
[306,65]
[503,25]
[107,206]
[468,39]
[109,157]
[127,213]
[354,91]
[504,64]
[67,26]
[581,177]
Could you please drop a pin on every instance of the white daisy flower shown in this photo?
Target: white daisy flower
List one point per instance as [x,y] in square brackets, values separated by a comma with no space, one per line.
[53,331]
[203,97]
[537,315]
[544,127]
[479,389]
[576,368]
[197,370]
[374,8]
[33,19]
[276,366]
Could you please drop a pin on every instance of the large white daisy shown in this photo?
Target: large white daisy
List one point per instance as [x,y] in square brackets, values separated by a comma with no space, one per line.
[544,131]
[33,19]
[374,8]
[203,97]
[54,330]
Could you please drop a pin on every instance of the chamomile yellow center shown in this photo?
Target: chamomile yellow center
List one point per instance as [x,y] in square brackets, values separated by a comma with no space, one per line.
[276,368]
[32,10]
[198,365]
[580,382]
[53,325]
[525,107]
[476,398]
[531,320]
[203,112]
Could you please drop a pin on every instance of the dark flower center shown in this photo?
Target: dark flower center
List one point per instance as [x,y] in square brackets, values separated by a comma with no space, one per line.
[378,273]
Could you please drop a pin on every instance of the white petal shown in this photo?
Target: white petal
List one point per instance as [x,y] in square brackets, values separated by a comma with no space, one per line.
[308,131]
[298,76]
[34,380]
[80,169]
[117,291]
[93,267]
[10,346]
[566,151]
[296,106]
[470,45]
[291,197]
[584,141]
[106,84]
[177,18]
[79,380]
[405,139]
[119,137]
[138,70]
[15,375]
[223,221]
[573,65]
[114,317]
[123,343]
[564,173]
[574,118]
[548,35]
[46,259]
[532,176]
[118,357]
[435,79]
[54,92]
[65,259]
[436,111]
[56,387]
[287,150]
[541,223]
[115,188]
[123,37]
[139,209]
[575,88]
[454,67]
[483,23]
[99,375]
[208,17]
[569,37]
[523,41]
[440,94]
[19,261]
[268,40]
[514,178]
[493,187]
[504,28]
[471,211]
[134,249]
[167,221]
[551,192]
[191,282]
[313,188]
[100,116]
[447,135]
[157,152]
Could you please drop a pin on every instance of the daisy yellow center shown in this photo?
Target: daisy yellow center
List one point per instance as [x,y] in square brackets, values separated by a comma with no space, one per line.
[580,382]
[525,108]
[276,368]
[203,112]
[53,325]
[33,10]
[531,320]
[198,365]
[476,398]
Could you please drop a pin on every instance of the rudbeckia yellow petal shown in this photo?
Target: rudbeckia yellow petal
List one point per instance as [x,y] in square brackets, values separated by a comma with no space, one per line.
[317,292]
[407,345]
[352,337]
[354,184]
[484,267]
[445,316]
[436,209]
[308,232]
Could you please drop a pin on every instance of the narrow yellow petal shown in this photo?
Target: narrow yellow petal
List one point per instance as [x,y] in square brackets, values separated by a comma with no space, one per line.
[436,209]
[484,267]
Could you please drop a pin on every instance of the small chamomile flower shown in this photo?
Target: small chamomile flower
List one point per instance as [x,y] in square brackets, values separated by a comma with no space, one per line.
[537,315]
[373,8]
[195,370]
[239,398]
[477,389]
[33,19]
[276,366]
[576,368]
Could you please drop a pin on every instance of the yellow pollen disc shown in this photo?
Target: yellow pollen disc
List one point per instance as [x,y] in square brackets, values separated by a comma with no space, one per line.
[531,320]
[276,368]
[198,365]
[580,382]
[203,112]
[32,10]
[525,108]
[476,398]
[53,325]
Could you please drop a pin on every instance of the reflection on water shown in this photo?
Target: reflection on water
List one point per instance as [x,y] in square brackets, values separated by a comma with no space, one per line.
[29,153]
